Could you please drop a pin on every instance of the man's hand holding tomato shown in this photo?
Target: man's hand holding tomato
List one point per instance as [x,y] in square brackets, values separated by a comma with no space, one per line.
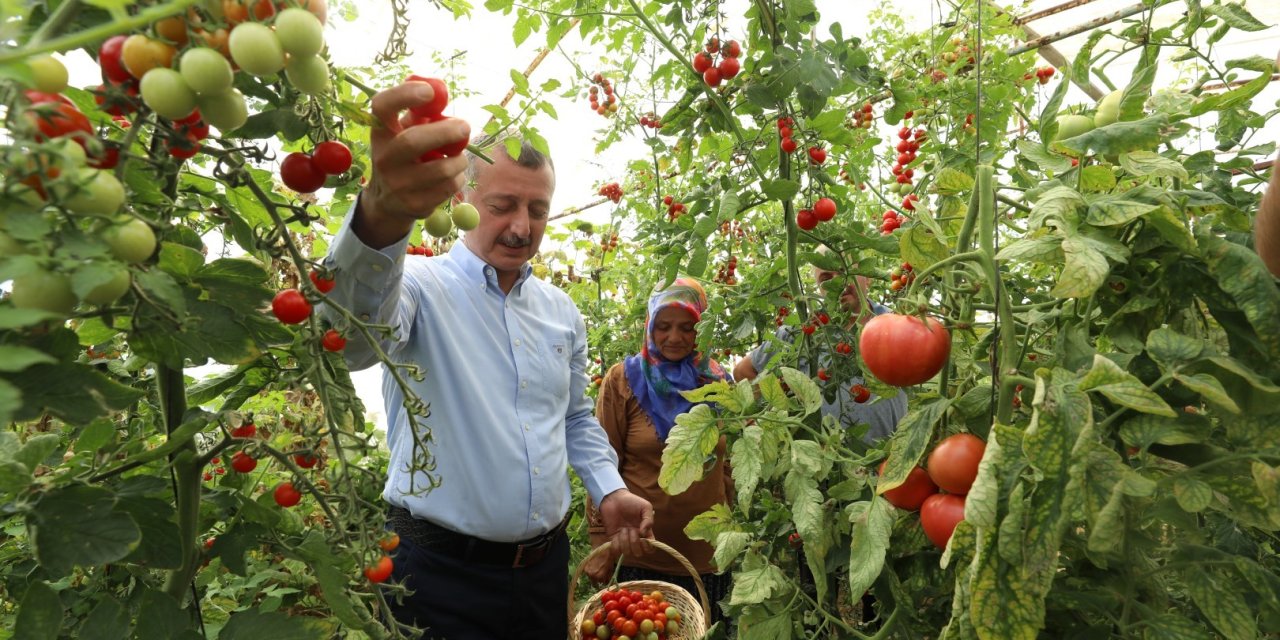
[402,190]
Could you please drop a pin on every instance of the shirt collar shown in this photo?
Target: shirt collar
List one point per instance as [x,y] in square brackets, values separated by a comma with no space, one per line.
[479,271]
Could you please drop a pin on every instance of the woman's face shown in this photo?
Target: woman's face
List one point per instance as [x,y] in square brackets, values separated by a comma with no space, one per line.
[674,333]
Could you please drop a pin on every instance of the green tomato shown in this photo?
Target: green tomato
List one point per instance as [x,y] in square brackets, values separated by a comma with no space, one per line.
[111,290]
[167,93]
[300,32]
[94,192]
[206,71]
[226,111]
[438,223]
[133,241]
[256,49]
[1108,109]
[1070,126]
[465,216]
[50,75]
[309,75]
[44,290]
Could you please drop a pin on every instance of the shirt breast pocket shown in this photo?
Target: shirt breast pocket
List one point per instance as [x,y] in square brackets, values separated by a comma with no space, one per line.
[558,357]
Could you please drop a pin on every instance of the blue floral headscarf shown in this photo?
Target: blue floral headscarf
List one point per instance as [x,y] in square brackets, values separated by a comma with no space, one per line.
[657,382]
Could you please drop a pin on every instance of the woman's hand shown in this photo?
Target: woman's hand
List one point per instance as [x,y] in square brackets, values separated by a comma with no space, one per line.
[599,567]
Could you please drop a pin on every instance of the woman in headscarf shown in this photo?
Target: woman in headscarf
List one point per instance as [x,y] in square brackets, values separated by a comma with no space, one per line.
[637,406]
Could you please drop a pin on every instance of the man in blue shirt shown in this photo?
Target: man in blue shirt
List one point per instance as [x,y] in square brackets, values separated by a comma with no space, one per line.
[881,414]
[503,360]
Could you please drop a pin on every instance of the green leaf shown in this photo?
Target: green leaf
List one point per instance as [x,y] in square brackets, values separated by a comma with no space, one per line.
[703,228]
[951,181]
[1222,605]
[921,247]
[697,260]
[97,435]
[781,190]
[1236,16]
[180,260]
[1145,430]
[162,288]
[161,545]
[333,585]
[1172,228]
[1085,271]
[1049,115]
[160,616]
[709,524]
[1045,249]
[107,621]
[692,439]
[1109,211]
[1119,137]
[729,547]
[1173,626]
[1058,203]
[79,526]
[1171,349]
[93,331]
[37,449]
[44,389]
[908,443]
[39,614]
[1043,158]
[1119,386]
[1149,163]
[1210,389]
[1241,273]
[748,463]
[869,541]
[803,388]
[757,585]
[1097,177]
[1192,495]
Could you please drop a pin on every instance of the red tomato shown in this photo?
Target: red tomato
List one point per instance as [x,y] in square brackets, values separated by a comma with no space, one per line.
[299,173]
[701,62]
[247,430]
[806,219]
[450,150]
[912,493]
[629,628]
[286,495]
[953,464]
[243,462]
[939,515]
[333,341]
[324,285]
[305,460]
[109,59]
[824,208]
[728,68]
[904,350]
[380,571]
[331,157]
[860,393]
[56,119]
[290,307]
[438,102]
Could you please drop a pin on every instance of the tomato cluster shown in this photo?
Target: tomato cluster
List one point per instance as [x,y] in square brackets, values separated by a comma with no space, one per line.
[1042,74]
[952,467]
[781,316]
[862,117]
[909,142]
[420,250]
[728,273]
[632,615]
[609,104]
[651,120]
[823,210]
[901,276]
[712,72]
[611,191]
[306,172]
[433,111]
[675,208]
[609,242]
[786,141]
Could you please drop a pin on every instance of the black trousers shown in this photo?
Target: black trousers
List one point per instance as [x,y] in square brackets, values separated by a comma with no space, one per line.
[459,600]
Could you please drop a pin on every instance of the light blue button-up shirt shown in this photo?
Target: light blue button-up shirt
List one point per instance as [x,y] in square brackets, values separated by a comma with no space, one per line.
[505,377]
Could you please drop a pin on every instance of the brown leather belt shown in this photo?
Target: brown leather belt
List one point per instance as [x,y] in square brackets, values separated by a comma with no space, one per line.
[471,549]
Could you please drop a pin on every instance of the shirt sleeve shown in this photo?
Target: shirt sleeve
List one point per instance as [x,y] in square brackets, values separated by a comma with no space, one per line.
[590,453]
[762,354]
[370,285]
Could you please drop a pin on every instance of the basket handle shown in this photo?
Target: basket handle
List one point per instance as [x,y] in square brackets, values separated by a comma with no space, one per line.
[684,562]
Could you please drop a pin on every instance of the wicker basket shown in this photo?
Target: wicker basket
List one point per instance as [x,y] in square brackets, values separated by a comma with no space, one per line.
[695,614]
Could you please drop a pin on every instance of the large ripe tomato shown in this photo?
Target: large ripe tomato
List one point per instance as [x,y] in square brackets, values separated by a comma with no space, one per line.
[113,68]
[379,572]
[300,32]
[439,99]
[299,173]
[953,464]
[290,306]
[939,515]
[286,495]
[331,157]
[911,493]
[904,350]
[256,49]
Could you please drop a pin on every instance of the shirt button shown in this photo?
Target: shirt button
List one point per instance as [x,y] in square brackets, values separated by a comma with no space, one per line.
[517,342]
[536,471]
[524,384]
[376,267]
[537,517]
[526,426]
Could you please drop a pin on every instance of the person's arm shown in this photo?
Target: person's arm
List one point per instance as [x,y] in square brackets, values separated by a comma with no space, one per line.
[611,411]
[1266,226]
[367,254]
[745,369]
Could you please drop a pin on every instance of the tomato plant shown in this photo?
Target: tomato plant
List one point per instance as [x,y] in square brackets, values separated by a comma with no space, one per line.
[904,350]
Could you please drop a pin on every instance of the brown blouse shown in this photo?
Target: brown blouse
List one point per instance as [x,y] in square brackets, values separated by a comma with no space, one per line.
[633,436]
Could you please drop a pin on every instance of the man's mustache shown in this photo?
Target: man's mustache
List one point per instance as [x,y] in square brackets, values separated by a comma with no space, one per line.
[515,241]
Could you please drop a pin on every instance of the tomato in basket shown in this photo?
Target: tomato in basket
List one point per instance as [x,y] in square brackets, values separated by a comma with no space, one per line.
[633,614]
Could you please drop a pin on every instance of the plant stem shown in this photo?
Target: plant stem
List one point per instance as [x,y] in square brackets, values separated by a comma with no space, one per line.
[98,33]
